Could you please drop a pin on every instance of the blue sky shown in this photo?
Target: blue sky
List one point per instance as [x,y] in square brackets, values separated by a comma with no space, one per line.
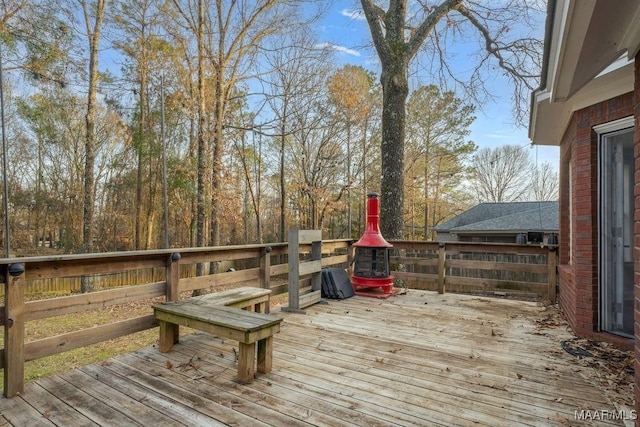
[346,30]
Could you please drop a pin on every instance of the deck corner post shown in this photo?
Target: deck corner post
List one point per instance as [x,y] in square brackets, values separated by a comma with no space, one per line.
[441,266]
[15,283]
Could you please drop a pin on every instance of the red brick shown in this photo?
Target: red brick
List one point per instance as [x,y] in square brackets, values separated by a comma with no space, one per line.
[578,283]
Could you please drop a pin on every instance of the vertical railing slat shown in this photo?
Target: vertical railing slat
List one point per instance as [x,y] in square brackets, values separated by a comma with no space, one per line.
[441,266]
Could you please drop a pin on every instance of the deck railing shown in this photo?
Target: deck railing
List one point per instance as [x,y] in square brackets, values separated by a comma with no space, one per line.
[423,265]
[485,267]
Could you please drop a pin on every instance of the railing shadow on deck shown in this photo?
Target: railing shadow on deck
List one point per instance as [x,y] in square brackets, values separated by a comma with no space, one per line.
[422,265]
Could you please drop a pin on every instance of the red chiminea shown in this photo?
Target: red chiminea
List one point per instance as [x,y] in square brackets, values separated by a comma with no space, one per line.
[372,268]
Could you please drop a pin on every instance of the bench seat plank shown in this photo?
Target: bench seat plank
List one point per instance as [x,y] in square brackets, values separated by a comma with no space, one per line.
[238,297]
[218,314]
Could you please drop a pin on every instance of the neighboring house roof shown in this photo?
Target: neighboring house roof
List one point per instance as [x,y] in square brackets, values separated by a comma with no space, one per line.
[510,217]
[588,58]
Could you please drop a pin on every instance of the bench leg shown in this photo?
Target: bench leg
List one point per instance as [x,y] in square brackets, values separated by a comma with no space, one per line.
[246,362]
[265,355]
[169,334]
[261,307]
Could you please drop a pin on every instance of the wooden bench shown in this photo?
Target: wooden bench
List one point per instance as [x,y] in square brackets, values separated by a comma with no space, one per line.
[247,298]
[211,315]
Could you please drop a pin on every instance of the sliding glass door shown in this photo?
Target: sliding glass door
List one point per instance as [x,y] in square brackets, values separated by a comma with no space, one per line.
[616,231]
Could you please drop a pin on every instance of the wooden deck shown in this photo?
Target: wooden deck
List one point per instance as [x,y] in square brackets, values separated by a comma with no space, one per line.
[418,359]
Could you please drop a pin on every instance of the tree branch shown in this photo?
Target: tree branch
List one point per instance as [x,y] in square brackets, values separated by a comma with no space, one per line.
[376,17]
[420,34]
[491,45]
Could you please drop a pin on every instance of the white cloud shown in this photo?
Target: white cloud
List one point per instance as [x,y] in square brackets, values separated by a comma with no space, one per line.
[499,135]
[353,14]
[496,136]
[339,49]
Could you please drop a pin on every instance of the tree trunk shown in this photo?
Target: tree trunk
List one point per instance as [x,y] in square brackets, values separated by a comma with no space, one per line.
[283,188]
[395,90]
[139,176]
[90,137]
[201,143]
[218,147]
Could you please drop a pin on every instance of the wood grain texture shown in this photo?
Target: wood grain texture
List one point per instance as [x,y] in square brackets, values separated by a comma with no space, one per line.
[419,359]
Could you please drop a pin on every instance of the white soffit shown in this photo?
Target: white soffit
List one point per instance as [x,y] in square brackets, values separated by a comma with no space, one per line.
[569,33]
[591,43]
[631,38]
[593,37]
[550,119]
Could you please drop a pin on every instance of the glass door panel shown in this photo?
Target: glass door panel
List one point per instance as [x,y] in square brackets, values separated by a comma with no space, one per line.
[616,232]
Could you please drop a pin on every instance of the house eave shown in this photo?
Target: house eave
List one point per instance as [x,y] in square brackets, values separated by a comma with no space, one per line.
[549,120]
[589,51]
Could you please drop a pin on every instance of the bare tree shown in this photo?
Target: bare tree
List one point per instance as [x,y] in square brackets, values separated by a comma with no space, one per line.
[316,156]
[93,13]
[197,23]
[502,174]
[437,150]
[403,29]
[138,20]
[230,35]
[294,63]
[544,183]
[350,91]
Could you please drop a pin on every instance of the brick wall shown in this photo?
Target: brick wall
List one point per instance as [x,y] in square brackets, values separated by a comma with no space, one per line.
[578,269]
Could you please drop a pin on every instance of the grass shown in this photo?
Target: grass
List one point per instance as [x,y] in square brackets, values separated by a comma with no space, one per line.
[60,363]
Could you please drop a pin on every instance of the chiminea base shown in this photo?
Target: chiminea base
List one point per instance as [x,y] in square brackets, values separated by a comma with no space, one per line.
[377,292]
[368,285]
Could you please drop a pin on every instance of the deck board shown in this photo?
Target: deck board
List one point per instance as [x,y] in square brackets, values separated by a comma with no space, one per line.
[414,359]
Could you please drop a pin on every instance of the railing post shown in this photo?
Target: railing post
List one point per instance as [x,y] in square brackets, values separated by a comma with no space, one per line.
[265,271]
[14,330]
[171,331]
[294,270]
[350,256]
[265,268]
[441,267]
[552,261]
[173,277]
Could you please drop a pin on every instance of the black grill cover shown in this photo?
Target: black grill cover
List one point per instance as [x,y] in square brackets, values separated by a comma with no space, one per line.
[336,284]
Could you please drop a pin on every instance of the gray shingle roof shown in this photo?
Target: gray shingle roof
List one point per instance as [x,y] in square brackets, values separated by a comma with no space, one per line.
[505,217]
